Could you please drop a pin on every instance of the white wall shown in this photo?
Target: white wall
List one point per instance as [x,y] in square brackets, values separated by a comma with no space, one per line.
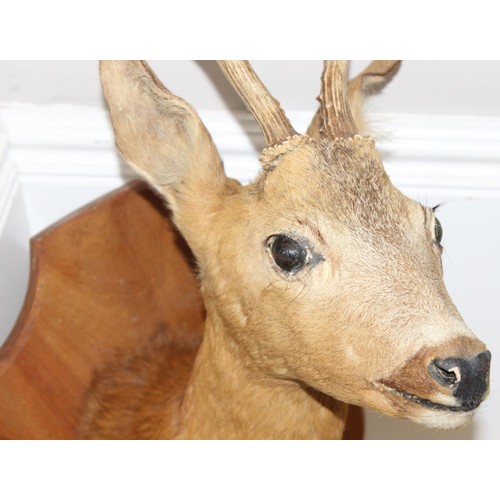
[421,87]
[442,144]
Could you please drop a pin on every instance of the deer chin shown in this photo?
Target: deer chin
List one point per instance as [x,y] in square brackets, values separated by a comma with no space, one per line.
[442,413]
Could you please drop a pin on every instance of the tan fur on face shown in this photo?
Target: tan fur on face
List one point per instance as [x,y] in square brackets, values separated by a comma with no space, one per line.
[371,238]
[284,352]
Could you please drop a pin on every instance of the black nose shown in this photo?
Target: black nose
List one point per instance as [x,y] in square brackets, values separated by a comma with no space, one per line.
[468,377]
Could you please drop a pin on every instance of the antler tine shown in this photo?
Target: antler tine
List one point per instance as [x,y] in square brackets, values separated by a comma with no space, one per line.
[264,107]
[370,81]
[337,119]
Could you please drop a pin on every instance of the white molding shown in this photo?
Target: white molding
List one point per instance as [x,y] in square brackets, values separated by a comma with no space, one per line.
[456,154]
[453,153]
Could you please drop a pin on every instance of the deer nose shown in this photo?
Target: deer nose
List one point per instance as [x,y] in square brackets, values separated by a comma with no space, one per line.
[468,378]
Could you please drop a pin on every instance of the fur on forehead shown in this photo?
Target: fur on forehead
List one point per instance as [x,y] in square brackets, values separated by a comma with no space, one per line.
[343,178]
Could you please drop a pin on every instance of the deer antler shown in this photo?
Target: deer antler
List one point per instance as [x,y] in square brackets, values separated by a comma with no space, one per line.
[264,107]
[337,120]
[374,77]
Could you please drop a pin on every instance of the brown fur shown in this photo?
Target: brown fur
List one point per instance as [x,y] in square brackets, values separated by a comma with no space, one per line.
[138,394]
[283,354]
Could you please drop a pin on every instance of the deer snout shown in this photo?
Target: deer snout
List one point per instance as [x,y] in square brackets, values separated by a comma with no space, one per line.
[468,378]
[440,385]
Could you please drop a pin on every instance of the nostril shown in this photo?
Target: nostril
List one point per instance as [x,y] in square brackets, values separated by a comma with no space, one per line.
[445,371]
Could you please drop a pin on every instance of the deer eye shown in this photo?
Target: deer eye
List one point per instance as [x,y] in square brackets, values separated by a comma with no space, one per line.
[288,254]
[438,230]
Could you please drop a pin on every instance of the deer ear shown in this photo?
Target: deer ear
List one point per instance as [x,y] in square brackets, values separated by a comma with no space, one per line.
[371,81]
[160,135]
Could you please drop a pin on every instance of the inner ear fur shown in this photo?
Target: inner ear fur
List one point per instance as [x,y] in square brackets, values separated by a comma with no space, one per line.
[160,135]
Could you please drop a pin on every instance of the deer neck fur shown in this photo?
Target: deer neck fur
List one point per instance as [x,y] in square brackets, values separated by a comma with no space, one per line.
[242,402]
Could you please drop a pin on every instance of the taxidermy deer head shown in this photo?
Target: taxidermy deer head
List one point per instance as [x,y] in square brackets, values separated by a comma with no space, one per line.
[321,280]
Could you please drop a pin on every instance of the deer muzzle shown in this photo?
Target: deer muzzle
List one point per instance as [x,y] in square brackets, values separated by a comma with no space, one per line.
[468,378]
[437,382]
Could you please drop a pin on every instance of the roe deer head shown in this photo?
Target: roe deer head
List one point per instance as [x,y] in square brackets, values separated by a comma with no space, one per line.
[322,282]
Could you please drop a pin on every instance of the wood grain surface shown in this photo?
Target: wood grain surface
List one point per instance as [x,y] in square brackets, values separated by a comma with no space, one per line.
[105,277]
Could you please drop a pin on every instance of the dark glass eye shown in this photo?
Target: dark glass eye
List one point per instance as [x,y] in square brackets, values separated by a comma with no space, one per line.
[438,230]
[288,254]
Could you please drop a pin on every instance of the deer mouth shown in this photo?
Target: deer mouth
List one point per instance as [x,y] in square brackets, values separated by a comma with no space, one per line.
[426,403]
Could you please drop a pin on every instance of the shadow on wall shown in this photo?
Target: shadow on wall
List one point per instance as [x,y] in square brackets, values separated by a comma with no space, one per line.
[14,271]
[14,264]
[378,426]
[231,98]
